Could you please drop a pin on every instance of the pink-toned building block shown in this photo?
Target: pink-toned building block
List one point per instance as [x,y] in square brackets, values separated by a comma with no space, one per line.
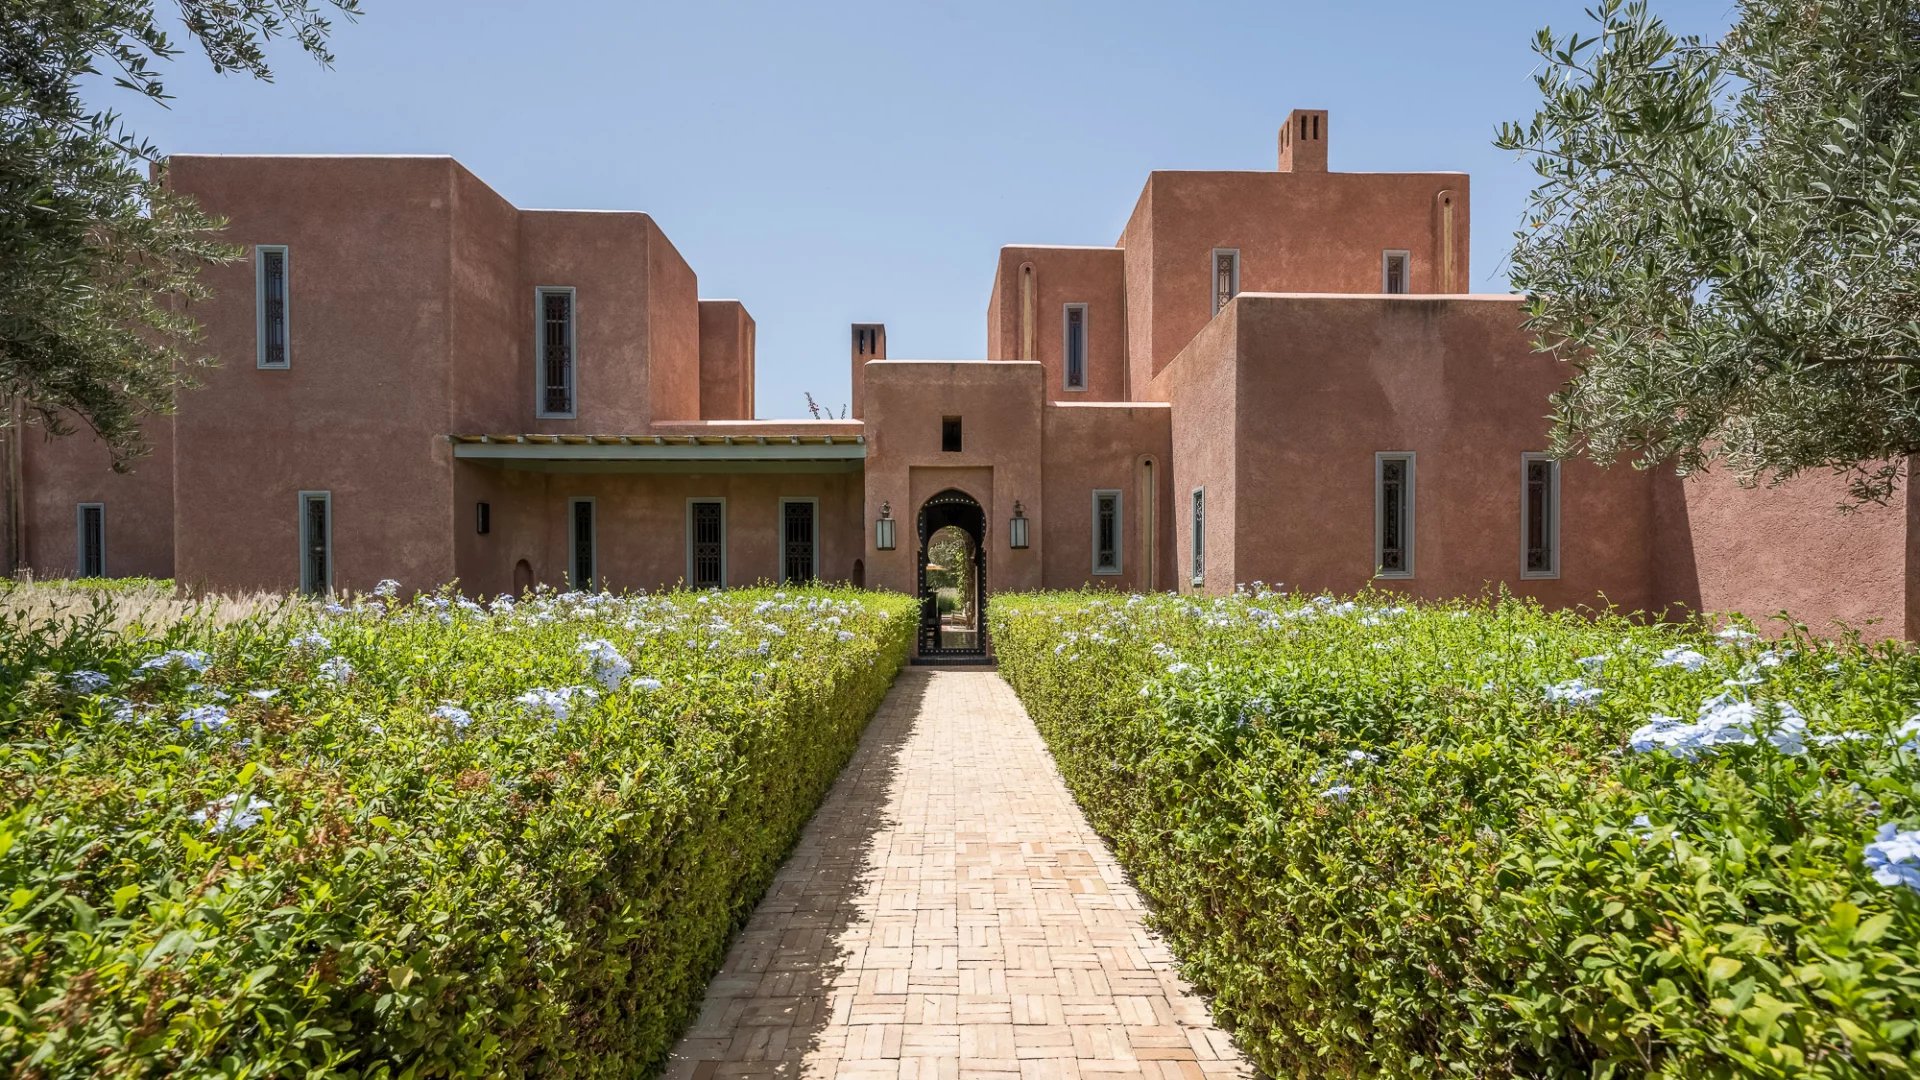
[1271,376]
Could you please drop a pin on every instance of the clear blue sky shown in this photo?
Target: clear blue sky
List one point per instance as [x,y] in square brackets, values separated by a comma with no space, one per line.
[841,162]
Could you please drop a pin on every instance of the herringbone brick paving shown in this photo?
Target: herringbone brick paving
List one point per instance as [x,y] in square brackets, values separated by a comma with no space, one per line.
[947,914]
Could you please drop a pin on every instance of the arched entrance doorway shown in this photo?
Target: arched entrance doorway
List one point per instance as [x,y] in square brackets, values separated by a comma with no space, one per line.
[964,631]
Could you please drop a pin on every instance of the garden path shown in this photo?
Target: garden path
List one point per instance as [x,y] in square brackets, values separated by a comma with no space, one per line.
[949,913]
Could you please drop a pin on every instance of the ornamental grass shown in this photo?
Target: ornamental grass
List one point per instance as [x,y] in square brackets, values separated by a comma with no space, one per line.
[1484,839]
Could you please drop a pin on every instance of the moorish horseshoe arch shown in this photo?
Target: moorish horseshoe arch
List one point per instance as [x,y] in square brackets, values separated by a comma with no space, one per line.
[956,508]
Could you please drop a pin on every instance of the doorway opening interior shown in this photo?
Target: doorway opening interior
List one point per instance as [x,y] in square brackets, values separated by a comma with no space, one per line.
[953,571]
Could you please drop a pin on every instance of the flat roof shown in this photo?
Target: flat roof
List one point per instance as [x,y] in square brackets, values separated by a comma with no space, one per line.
[773,446]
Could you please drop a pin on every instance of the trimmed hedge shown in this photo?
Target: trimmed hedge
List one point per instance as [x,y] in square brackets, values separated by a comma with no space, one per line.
[1488,840]
[409,839]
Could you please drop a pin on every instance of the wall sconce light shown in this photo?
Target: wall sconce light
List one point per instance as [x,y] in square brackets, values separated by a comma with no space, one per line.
[1017,528]
[883,528]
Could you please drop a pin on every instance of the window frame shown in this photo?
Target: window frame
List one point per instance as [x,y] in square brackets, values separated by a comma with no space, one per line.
[1386,261]
[540,294]
[953,423]
[1553,517]
[1066,348]
[1407,510]
[573,541]
[1213,277]
[308,587]
[260,252]
[1197,535]
[781,527]
[1119,532]
[687,532]
[80,539]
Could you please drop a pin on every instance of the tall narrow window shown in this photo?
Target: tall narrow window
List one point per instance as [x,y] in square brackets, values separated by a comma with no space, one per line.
[1199,535]
[1074,347]
[91,557]
[555,360]
[582,568]
[1106,532]
[950,434]
[1539,516]
[706,543]
[270,305]
[316,542]
[1394,272]
[1226,277]
[799,540]
[1393,515]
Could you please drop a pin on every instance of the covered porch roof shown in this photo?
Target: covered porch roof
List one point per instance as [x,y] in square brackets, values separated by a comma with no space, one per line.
[742,447]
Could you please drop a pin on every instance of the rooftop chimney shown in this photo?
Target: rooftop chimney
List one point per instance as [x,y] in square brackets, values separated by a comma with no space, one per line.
[1303,141]
[869,343]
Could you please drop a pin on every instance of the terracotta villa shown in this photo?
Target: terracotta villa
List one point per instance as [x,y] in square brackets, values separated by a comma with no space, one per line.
[1271,375]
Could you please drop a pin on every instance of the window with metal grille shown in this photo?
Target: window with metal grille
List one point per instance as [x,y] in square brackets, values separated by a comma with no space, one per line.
[91,558]
[707,543]
[799,560]
[316,542]
[1394,272]
[950,434]
[581,569]
[1199,535]
[1075,347]
[270,303]
[556,352]
[1106,532]
[1540,516]
[1226,277]
[1393,524]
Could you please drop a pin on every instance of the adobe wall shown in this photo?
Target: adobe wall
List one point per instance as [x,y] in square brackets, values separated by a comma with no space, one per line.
[673,330]
[493,319]
[641,524]
[1000,405]
[1207,426]
[1296,233]
[363,407]
[61,472]
[1760,551]
[609,261]
[1092,276]
[1326,382]
[726,360]
[1115,447]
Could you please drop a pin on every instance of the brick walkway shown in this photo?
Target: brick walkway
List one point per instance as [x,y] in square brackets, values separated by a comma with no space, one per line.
[948,913]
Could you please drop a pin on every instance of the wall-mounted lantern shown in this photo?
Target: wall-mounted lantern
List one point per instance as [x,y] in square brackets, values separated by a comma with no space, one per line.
[883,528]
[482,518]
[1017,528]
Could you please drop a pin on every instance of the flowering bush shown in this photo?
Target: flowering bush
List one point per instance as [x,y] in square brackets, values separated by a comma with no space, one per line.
[1474,839]
[390,838]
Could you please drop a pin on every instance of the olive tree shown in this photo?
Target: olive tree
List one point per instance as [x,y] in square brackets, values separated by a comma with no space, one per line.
[1724,243]
[98,259]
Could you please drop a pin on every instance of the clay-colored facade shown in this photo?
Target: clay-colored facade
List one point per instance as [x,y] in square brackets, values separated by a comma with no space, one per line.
[1293,350]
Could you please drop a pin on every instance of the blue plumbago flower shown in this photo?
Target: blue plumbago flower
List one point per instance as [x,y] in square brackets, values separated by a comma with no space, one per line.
[126,712]
[1681,657]
[558,703]
[178,660]
[1894,856]
[455,715]
[610,668]
[1338,792]
[334,607]
[648,683]
[205,718]
[1724,722]
[336,670]
[1573,692]
[88,682]
[263,694]
[1840,737]
[844,635]
[1179,668]
[1594,663]
[387,587]
[232,812]
[1910,731]
[1736,635]
[1642,826]
[1358,756]
[312,640]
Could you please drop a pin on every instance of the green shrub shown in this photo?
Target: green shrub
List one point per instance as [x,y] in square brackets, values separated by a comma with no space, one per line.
[1418,841]
[408,839]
